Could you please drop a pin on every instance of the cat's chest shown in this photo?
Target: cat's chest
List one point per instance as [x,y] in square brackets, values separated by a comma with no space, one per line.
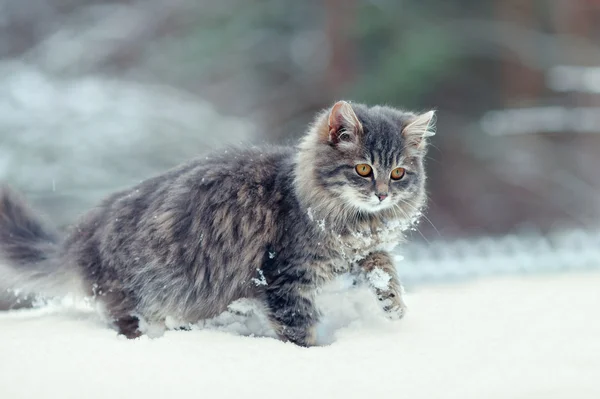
[355,244]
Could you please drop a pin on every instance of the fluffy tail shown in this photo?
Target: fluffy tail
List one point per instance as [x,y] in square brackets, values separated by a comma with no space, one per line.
[30,252]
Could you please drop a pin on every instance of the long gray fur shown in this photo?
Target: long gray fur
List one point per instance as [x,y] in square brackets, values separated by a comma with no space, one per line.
[271,223]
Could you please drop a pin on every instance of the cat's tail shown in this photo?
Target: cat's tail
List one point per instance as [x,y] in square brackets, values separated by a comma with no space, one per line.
[30,261]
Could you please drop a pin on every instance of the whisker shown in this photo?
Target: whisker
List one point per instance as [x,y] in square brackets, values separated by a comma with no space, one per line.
[416,228]
[423,216]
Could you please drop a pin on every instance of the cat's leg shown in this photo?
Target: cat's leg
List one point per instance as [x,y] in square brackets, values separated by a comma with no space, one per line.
[129,326]
[120,308]
[379,273]
[292,312]
[132,326]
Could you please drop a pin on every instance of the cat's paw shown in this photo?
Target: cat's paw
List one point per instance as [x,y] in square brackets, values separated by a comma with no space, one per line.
[395,312]
[393,306]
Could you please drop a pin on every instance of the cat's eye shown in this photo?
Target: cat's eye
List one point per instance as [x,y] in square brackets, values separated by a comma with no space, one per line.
[364,170]
[398,173]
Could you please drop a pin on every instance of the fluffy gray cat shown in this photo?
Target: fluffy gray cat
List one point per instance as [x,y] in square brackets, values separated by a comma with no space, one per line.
[273,224]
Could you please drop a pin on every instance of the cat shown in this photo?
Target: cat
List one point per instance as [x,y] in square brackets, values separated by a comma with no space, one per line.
[273,224]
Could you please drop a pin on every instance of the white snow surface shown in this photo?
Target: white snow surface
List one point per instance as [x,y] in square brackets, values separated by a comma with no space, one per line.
[525,337]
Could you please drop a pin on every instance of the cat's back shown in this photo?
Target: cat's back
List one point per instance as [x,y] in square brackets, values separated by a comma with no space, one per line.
[223,199]
[250,173]
[245,186]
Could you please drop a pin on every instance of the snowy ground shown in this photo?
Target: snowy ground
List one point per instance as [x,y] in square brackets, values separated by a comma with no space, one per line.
[527,337]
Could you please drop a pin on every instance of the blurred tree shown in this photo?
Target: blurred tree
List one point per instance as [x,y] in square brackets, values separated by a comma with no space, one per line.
[278,61]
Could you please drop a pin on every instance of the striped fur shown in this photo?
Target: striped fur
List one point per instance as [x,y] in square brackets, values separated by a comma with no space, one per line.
[271,223]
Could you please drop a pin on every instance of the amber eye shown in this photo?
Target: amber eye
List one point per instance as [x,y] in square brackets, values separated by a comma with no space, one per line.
[398,173]
[363,169]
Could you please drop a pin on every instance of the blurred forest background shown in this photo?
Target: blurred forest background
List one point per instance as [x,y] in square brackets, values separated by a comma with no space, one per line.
[96,95]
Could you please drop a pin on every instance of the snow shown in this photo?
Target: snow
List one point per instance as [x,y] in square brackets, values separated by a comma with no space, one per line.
[379,279]
[524,337]
[261,280]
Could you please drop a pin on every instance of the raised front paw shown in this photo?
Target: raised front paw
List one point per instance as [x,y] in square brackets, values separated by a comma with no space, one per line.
[392,305]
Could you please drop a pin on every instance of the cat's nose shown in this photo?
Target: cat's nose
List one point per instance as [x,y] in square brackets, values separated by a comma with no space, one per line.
[381,196]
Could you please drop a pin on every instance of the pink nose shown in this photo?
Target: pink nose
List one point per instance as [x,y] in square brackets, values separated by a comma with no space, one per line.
[381,196]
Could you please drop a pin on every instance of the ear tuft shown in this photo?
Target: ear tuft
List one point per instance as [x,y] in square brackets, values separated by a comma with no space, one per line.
[421,127]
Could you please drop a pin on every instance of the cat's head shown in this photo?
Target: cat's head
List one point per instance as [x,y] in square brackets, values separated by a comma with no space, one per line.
[366,159]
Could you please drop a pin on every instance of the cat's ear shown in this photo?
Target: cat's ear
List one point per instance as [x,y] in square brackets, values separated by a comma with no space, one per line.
[418,129]
[344,125]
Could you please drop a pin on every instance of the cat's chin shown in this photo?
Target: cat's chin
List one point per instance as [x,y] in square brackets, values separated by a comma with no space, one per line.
[373,206]
[367,205]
